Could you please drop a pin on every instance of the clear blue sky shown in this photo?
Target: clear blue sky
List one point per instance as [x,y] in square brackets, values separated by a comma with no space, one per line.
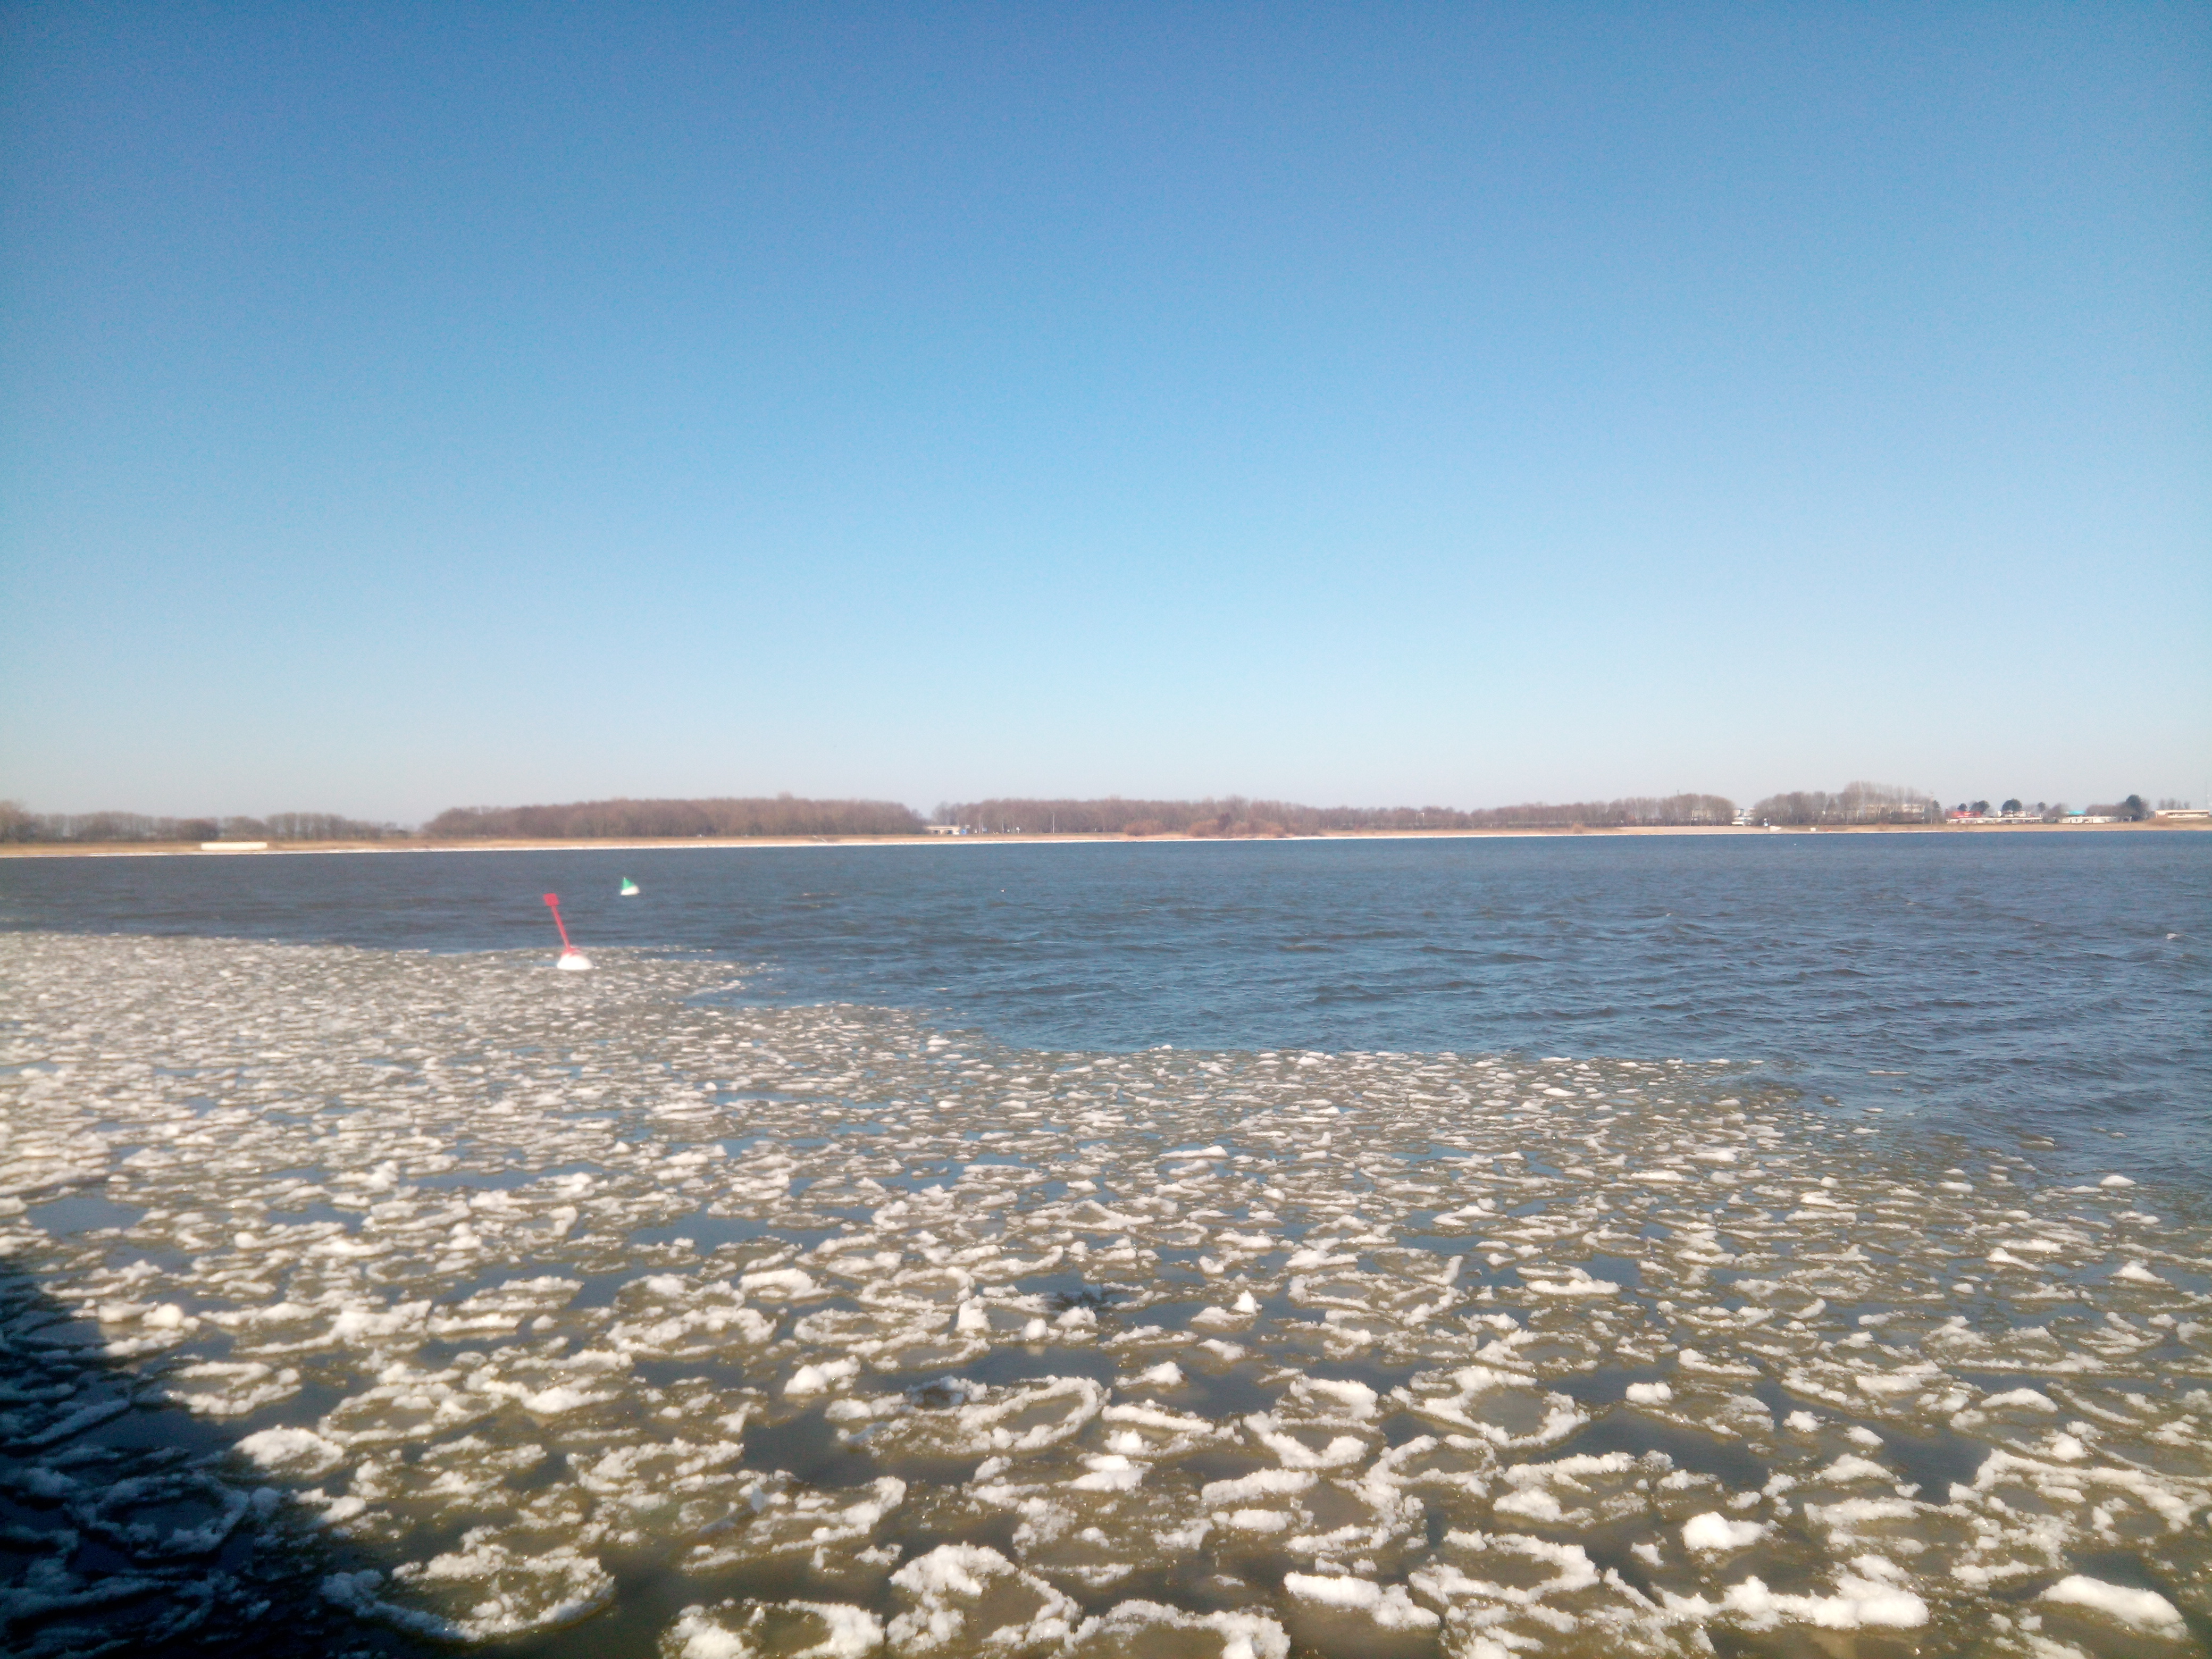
[408,406]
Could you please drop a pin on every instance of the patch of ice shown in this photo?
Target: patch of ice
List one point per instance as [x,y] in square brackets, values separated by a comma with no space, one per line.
[406,1178]
[787,1630]
[1140,1629]
[2143,1610]
[1858,1604]
[293,1451]
[1713,1533]
[970,1597]
[1389,1606]
[818,1378]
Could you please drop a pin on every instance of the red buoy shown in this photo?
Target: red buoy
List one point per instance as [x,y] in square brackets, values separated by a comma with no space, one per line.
[571,959]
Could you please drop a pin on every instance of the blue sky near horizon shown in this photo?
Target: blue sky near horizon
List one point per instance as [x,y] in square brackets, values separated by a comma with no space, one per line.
[403,406]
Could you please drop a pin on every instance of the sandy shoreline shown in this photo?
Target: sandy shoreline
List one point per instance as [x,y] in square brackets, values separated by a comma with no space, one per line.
[495,844]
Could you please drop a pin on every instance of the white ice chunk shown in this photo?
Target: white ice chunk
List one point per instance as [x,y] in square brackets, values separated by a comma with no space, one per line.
[1389,1606]
[293,1451]
[2144,1609]
[1857,1604]
[1713,1533]
[482,1590]
[1136,1628]
[739,1630]
[1261,1483]
[1110,1472]
[2028,1398]
[1852,1467]
[969,1596]
[816,1379]
[1357,1398]
[1577,1282]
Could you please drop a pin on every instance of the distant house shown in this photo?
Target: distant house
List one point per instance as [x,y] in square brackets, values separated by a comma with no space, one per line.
[943,829]
[2184,814]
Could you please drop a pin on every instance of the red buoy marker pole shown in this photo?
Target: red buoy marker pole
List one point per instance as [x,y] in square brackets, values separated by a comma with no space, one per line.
[571,957]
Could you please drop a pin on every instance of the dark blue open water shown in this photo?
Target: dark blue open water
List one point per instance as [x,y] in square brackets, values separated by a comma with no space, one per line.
[1996,985]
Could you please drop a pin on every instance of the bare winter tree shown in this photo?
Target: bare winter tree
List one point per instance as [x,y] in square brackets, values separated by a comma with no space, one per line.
[785,815]
[20,825]
[1855,803]
[1236,816]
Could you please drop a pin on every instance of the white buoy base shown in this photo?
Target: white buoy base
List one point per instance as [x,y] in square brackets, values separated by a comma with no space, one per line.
[574,962]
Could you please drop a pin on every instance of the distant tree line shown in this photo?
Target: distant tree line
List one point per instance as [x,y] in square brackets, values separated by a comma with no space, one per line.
[1227,816]
[785,815]
[1235,816]
[1855,803]
[18,824]
[2133,810]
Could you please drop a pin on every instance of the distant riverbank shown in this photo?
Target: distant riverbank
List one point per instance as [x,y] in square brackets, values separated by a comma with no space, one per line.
[429,844]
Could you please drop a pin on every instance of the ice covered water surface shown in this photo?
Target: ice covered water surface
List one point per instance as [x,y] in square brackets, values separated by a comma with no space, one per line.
[597,1311]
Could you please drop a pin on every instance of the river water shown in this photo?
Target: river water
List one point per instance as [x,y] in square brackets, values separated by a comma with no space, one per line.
[1584,1246]
[1999,985]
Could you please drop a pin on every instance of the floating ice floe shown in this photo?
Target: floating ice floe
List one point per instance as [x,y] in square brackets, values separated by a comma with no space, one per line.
[462,1292]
